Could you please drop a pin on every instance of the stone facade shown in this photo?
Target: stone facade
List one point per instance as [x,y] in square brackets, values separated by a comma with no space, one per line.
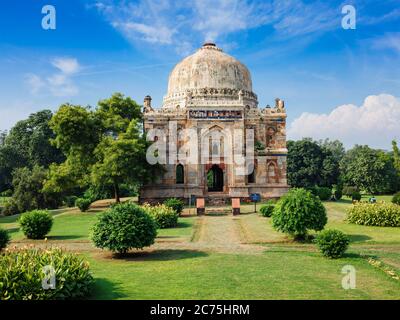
[211,93]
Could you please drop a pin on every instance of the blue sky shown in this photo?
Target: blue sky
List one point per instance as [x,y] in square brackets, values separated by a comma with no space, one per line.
[336,83]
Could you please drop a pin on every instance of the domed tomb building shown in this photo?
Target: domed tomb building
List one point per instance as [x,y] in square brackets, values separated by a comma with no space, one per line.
[216,142]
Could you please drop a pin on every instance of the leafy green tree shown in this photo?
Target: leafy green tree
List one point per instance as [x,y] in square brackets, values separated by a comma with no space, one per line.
[122,160]
[335,146]
[26,145]
[369,170]
[309,164]
[396,158]
[103,147]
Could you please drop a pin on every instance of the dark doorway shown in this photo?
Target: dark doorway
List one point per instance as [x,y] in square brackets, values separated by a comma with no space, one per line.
[215,179]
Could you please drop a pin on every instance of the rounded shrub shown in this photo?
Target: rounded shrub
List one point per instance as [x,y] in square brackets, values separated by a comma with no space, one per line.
[356,196]
[36,224]
[396,198]
[299,211]
[381,214]
[175,204]
[324,193]
[338,194]
[164,216]
[22,274]
[4,238]
[267,209]
[123,227]
[83,204]
[332,243]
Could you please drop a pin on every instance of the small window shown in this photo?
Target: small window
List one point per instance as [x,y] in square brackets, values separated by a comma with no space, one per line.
[180,174]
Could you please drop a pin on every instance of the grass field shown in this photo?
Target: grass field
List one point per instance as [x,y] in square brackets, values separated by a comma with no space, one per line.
[226,257]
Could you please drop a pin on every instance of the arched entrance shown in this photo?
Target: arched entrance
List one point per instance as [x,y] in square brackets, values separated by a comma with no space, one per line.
[215,179]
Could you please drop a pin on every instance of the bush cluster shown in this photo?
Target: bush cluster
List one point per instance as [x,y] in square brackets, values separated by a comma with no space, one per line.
[267,209]
[83,204]
[164,216]
[123,227]
[10,207]
[396,198]
[381,214]
[332,243]
[175,204]
[21,271]
[36,224]
[4,238]
[298,211]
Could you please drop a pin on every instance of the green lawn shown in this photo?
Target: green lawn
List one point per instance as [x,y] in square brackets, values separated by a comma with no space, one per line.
[277,274]
[179,267]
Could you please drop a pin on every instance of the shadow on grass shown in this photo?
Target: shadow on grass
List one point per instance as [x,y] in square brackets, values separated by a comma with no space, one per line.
[66,237]
[160,255]
[13,230]
[104,289]
[358,237]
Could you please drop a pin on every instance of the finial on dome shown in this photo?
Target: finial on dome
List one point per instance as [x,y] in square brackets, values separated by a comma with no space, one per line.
[209,44]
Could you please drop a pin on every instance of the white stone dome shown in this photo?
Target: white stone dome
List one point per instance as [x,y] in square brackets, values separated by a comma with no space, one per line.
[209,67]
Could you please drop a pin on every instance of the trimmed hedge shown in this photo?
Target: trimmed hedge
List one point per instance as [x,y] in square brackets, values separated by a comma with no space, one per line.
[381,214]
[164,216]
[123,227]
[267,209]
[175,204]
[4,238]
[22,275]
[332,243]
[36,224]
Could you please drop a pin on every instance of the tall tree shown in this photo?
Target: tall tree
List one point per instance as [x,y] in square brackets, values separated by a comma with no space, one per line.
[104,146]
[27,145]
[369,170]
[396,156]
[309,164]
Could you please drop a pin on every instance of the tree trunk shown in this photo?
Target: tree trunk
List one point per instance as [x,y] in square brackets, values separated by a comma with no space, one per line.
[116,191]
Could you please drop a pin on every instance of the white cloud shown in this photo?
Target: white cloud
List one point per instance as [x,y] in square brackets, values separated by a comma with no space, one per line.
[388,41]
[66,65]
[376,123]
[60,83]
[168,22]
[35,82]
